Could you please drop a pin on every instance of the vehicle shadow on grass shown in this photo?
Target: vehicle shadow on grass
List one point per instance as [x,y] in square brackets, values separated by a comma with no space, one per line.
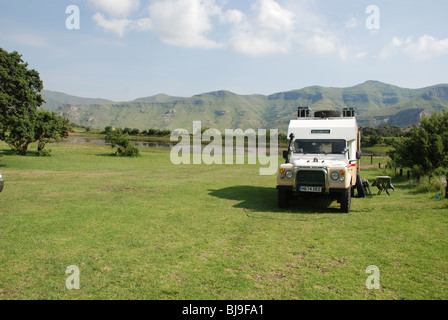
[264,199]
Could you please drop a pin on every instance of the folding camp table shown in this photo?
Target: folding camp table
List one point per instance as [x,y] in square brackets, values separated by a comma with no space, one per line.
[383,183]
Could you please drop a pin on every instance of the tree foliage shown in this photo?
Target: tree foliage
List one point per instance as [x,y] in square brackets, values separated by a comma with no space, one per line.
[382,131]
[120,140]
[49,128]
[424,148]
[21,120]
[20,130]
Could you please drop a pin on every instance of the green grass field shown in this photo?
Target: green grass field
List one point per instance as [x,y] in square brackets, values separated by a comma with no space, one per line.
[143,228]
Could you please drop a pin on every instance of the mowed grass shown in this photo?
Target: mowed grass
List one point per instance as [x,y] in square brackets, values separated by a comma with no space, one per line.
[143,228]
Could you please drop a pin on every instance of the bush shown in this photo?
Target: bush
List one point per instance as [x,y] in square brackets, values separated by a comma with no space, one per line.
[134,132]
[131,151]
[108,129]
[118,139]
[424,148]
[44,153]
[431,184]
[371,141]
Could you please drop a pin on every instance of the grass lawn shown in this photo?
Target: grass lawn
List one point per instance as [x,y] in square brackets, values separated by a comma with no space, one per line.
[143,228]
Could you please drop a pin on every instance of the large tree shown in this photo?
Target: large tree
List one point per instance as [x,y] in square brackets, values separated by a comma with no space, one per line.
[21,120]
[424,148]
[19,88]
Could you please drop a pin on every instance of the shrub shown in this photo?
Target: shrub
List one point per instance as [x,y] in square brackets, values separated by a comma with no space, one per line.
[118,139]
[430,184]
[131,151]
[424,148]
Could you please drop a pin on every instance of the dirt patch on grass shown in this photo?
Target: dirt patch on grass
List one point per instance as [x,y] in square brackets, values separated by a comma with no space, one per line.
[113,188]
[128,189]
[271,276]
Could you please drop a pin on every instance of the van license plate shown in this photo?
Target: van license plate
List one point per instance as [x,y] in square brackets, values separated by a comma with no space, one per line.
[310,189]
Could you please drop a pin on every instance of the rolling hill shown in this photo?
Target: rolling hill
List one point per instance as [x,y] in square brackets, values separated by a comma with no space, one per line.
[54,100]
[375,103]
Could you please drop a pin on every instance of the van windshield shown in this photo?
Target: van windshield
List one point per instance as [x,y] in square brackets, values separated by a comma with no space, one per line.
[320,146]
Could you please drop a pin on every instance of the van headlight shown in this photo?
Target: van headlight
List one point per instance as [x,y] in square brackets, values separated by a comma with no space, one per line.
[335,175]
[289,174]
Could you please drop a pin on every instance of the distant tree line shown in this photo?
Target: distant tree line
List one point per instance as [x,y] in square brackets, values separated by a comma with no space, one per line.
[383,134]
[22,121]
[382,131]
[137,132]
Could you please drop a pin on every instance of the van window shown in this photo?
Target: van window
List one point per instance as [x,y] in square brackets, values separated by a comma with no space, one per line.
[320,146]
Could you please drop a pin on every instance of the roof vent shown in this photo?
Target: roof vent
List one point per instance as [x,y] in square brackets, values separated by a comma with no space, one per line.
[304,112]
[348,112]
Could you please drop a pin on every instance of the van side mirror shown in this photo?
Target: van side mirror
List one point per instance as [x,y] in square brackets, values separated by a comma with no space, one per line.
[358,154]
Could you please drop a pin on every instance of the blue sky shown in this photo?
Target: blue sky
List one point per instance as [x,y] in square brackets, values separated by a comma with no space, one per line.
[127,49]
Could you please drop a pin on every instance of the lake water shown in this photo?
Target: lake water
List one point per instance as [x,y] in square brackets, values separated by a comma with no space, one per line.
[140,144]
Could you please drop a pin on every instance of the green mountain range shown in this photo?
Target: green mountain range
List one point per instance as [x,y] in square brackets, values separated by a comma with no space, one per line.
[376,103]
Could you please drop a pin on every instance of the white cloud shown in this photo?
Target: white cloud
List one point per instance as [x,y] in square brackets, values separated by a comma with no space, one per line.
[424,48]
[427,47]
[276,29]
[256,46]
[117,26]
[269,30]
[185,23]
[232,16]
[327,43]
[120,26]
[116,8]
[349,53]
[272,17]
[270,27]
[352,23]
[118,12]
[321,44]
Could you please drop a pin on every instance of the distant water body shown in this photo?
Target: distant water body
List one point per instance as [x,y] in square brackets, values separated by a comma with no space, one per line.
[140,144]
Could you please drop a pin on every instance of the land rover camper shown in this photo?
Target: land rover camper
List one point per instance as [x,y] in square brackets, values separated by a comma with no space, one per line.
[322,160]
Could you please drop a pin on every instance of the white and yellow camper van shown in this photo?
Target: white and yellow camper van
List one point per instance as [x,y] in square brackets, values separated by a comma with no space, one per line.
[322,160]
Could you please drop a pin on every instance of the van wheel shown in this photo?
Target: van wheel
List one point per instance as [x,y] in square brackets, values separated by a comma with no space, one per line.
[283,199]
[346,201]
[360,187]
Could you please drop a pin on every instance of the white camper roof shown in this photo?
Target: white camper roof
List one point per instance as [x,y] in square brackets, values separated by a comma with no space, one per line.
[324,128]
